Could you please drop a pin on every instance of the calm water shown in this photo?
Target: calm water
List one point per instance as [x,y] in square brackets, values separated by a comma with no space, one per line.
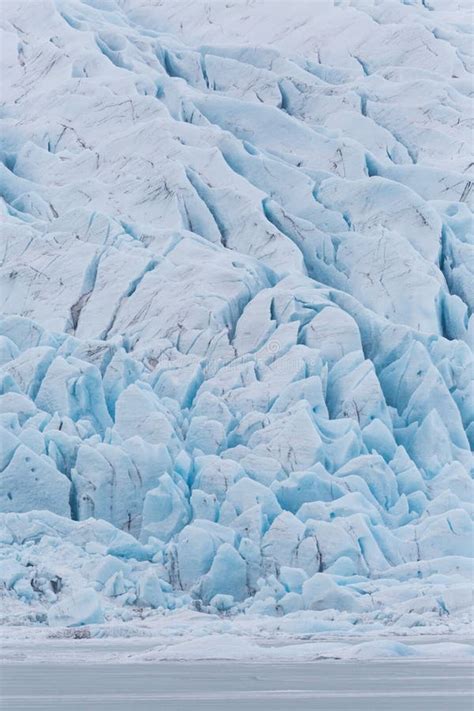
[168,686]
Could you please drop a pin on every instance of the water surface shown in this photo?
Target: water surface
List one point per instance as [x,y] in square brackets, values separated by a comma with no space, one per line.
[167,686]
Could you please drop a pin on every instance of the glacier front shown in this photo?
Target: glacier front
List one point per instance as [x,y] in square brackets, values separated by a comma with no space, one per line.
[236,297]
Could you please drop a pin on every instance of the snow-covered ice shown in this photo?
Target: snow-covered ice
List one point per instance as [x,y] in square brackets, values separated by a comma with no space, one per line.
[236,320]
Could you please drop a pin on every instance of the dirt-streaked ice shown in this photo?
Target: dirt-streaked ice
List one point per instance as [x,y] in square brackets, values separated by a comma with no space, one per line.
[236,297]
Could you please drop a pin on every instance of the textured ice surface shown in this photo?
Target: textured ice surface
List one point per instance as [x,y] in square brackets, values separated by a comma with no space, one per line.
[237,260]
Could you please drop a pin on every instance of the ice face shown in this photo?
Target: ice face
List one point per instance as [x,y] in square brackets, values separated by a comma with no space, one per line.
[236,309]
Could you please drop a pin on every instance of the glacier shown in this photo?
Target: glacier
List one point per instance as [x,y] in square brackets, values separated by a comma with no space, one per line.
[236,313]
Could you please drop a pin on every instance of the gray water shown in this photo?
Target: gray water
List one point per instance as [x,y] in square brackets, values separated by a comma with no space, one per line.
[226,686]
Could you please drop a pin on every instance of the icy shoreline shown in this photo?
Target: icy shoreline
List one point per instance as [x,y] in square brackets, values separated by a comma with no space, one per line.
[191,636]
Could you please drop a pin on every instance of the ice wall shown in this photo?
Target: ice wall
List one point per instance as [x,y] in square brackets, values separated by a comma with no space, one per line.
[236,307]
